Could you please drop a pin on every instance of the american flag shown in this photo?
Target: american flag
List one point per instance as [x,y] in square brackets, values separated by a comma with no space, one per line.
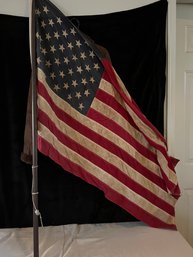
[89,124]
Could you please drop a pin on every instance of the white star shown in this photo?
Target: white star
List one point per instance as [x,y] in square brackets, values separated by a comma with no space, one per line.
[81,106]
[64,33]
[82,55]
[56,35]
[96,66]
[78,95]
[70,72]
[43,50]
[72,31]
[37,35]
[87,67]
[52,49]
[92,80]
[66,60]
[56,87]
[57,61]
[87,93]
[79,69]
[84,82]
[69,97]
[61,47]
[48,36]
[74,58]
[74,83]
[39,60]
[37,11]
[78,43]
[70,45]
[51,23]
[66,86]
[48,63]
[91,54]
[52,75]
[45,9]
[59,20]
[61,73]
[43,24]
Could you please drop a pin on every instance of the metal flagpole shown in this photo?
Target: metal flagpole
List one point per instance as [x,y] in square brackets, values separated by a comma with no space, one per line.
[36,212]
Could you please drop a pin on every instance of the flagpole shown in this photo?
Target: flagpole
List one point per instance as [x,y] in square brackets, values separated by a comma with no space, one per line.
[34,136]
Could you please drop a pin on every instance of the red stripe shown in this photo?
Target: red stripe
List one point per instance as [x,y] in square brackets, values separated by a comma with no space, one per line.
[104,165]
[175,189]
[105,143]
[114,104]
[110,194]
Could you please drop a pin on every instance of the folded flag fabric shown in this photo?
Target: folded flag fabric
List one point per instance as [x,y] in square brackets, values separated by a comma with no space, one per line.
[89,124]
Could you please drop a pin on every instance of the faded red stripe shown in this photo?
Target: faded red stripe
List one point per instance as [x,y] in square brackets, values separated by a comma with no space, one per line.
[111,101]
[175,190]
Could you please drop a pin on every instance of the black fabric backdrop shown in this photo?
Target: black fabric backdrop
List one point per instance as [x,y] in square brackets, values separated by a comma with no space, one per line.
[135,40]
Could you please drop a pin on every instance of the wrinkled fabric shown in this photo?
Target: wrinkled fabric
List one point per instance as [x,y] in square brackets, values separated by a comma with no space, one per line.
[97,240]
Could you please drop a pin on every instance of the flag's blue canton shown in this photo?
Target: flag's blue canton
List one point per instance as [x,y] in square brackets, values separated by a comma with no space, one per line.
[73,70]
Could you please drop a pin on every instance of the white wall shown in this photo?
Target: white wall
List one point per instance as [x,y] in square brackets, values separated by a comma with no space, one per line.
[69,7]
